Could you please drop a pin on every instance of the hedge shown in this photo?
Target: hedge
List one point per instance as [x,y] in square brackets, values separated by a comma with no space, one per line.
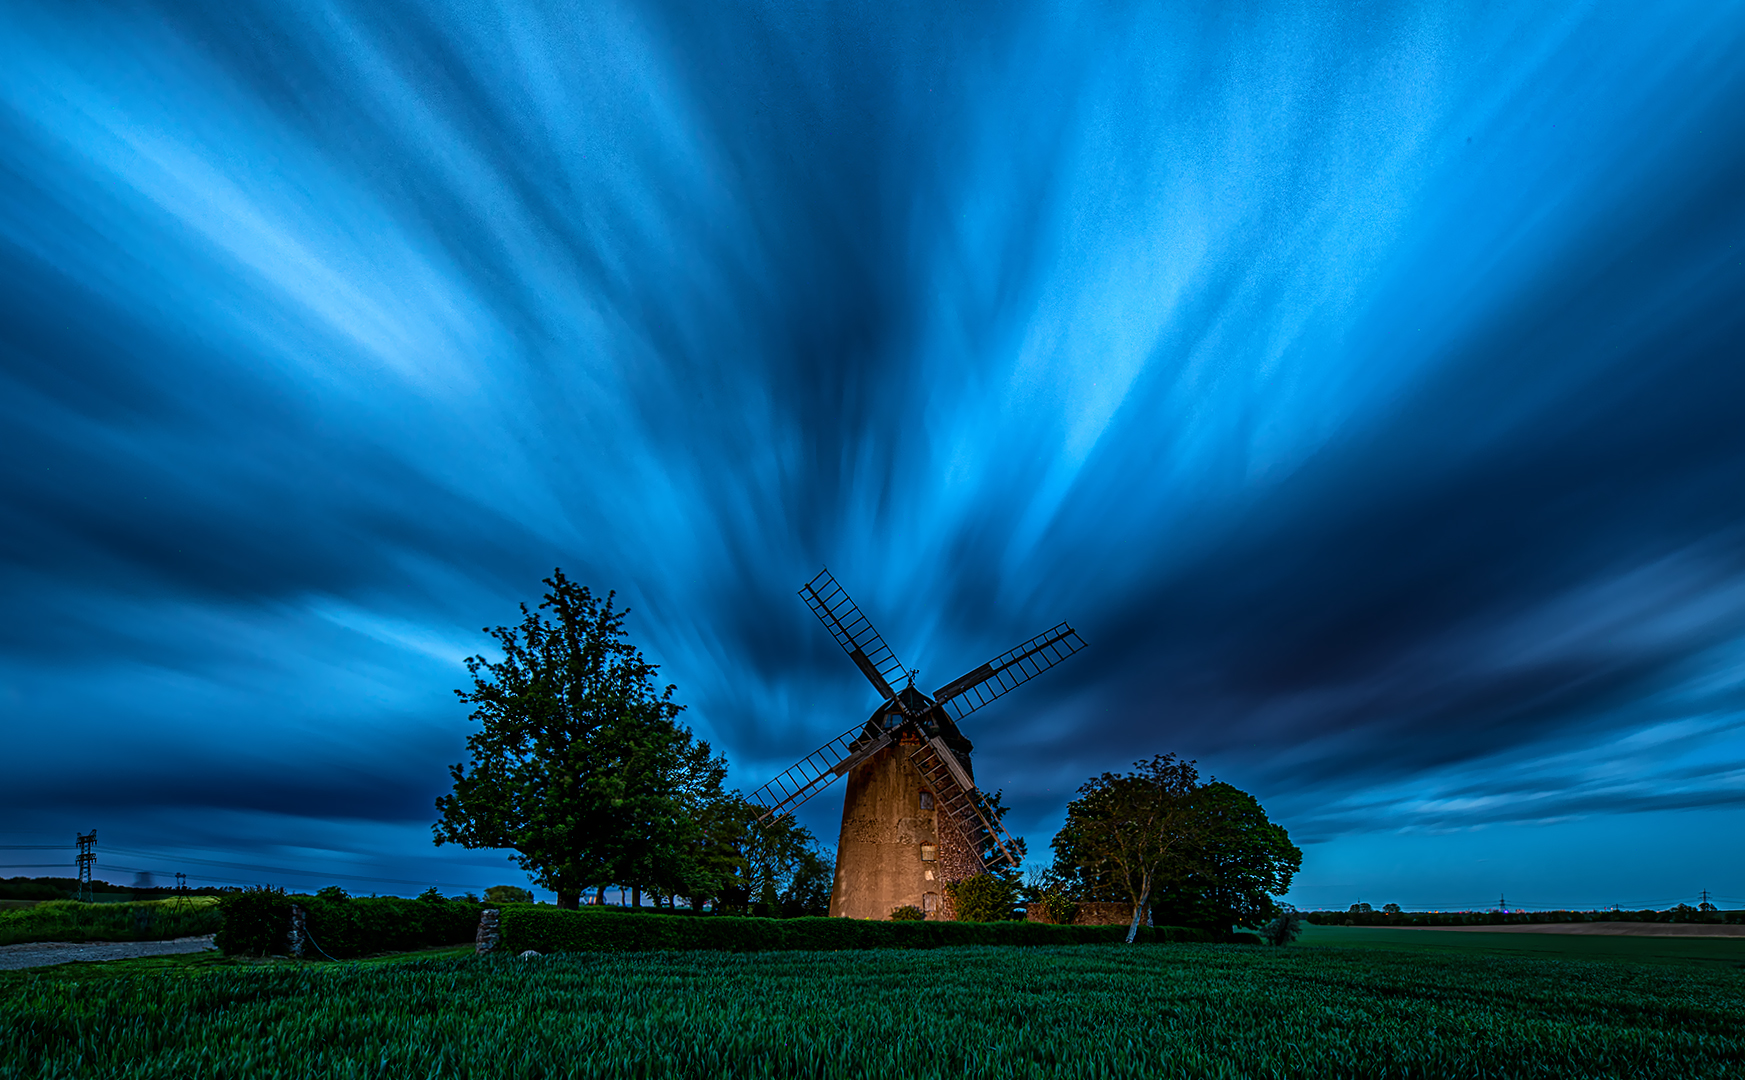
[258,922]
[546,930]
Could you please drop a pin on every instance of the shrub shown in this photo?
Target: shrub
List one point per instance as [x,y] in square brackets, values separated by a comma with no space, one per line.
[984,898]
[256,921]
[552,930]
[908,913]
[1057,907]
[1284,927]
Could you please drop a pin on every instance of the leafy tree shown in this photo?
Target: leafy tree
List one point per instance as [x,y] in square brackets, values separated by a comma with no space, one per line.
[993,807]
[1235,864]
[578,765]
[808,889]
[718,858]
[768,868]
[508,894]
[1124,828]
[675,861]
[775,852]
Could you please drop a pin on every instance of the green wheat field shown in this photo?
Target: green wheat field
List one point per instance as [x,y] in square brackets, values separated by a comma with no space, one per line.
[1337,1005]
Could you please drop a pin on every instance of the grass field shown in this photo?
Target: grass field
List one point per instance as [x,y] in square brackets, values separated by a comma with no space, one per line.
[1087,1011]
[1723,953]
[149,920]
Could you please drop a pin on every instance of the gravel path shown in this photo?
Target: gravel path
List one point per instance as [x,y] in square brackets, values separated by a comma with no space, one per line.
[45,953]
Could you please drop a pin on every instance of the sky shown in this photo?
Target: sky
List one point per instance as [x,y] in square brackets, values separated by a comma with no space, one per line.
[1363,381]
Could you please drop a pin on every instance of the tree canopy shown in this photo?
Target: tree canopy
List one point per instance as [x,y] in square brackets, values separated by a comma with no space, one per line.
[1123,829]
[1202,854]
[772,867]
[1237,862]
[579,764]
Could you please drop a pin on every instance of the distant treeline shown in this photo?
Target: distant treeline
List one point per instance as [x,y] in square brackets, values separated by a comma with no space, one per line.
[1681,914]
[66,888]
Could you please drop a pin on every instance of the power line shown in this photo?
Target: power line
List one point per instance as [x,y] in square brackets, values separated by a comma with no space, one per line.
[198,877]
[273,869]
[232,880]
[222,864]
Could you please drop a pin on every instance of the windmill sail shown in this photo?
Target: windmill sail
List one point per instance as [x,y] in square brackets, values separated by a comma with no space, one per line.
[940,770]
[817,770]
[854,632]
[1008,671]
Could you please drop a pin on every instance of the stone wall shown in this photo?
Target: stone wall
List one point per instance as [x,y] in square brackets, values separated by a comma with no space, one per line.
[957,861]
[1095,913]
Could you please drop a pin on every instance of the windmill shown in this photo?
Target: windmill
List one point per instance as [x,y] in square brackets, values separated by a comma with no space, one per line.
[912,818]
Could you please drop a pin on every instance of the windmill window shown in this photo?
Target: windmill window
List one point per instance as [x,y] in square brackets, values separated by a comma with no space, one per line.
[926,800]
[929,853]
[930,901]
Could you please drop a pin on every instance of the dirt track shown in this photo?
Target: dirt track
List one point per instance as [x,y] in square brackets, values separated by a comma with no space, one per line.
[1608,929]
[45,953]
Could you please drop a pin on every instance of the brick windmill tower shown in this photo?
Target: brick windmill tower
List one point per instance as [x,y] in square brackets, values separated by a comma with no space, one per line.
[912,818]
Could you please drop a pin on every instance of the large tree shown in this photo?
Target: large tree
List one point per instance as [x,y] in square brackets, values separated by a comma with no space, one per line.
[747,866]
[808,888]
[579,764]
[773,853]
[1123,828]
[1238,861]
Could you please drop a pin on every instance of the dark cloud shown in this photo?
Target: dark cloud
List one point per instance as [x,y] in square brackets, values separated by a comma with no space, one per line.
[1365,389]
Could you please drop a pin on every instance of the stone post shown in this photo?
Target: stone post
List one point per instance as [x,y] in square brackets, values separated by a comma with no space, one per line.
[488,936]
[299,932]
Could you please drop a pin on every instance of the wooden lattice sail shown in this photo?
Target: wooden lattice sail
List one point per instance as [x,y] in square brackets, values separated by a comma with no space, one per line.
[912,818]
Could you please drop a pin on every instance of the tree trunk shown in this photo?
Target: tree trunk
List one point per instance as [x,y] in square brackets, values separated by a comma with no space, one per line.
[1139,908]
[566,899]
[636,896]
[600,896]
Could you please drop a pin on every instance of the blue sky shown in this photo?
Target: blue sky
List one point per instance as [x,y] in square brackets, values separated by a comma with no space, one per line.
[1364,383]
